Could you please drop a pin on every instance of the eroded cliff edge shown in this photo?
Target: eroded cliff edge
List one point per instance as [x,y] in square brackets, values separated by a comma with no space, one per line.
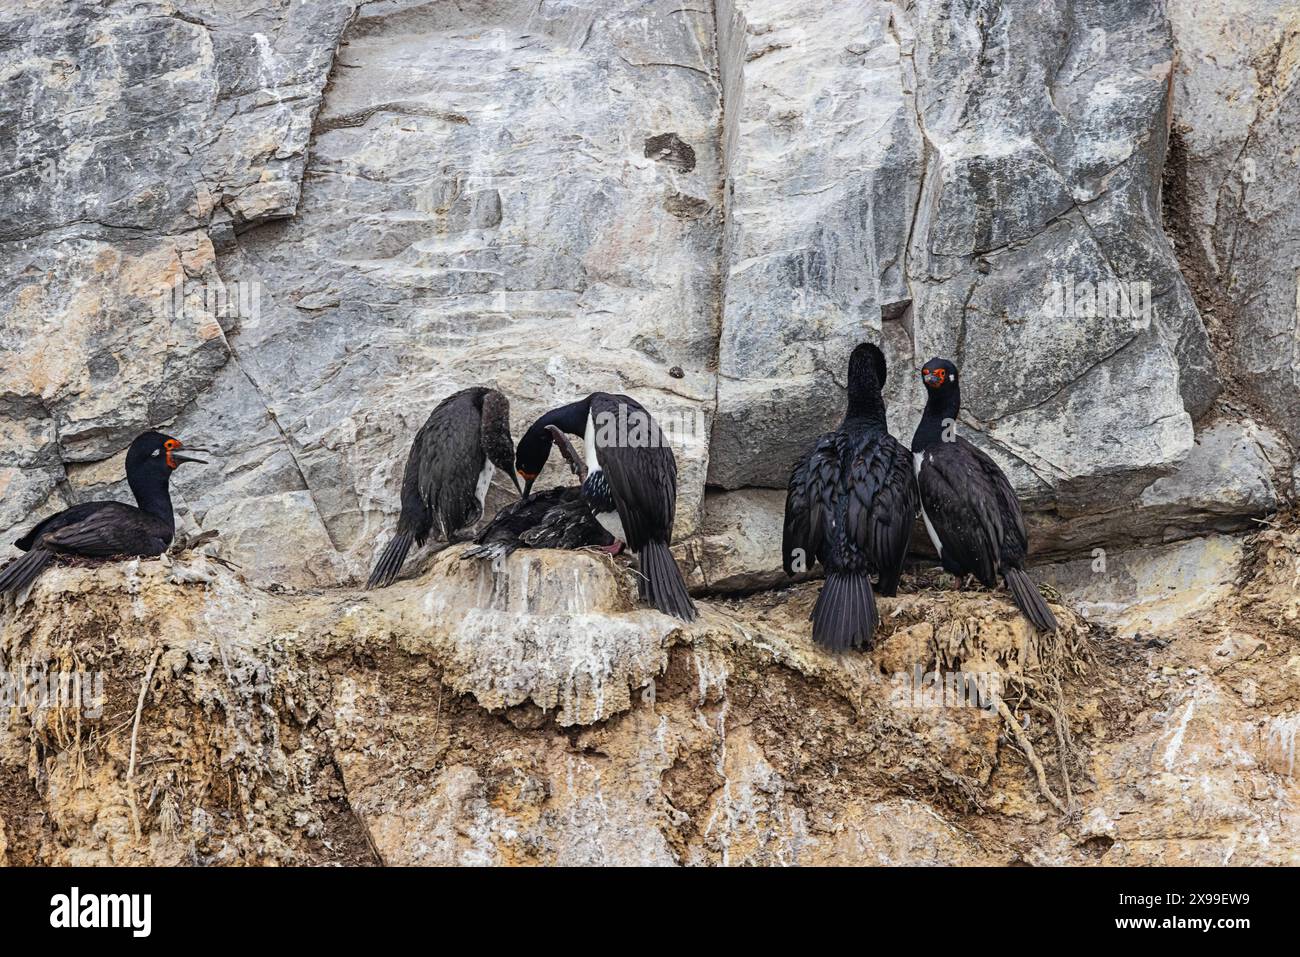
[534,715]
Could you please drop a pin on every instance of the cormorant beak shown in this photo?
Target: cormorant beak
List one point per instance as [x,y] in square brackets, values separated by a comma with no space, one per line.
[178,457]
[514,477]
[528,483]
[933,379]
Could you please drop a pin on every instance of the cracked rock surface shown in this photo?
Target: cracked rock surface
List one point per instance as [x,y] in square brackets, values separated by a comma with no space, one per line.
[287,231]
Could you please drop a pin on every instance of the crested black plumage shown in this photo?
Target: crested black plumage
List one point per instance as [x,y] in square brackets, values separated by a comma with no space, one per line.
[631,485]
[109,529]
[971,512]
[556,518]
[850,505]
[448,471]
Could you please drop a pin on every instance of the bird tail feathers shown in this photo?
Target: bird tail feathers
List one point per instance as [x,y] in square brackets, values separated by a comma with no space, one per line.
[21,572]
[1028,599]
[845,615]
[490,551]
[664,586]
[390,562]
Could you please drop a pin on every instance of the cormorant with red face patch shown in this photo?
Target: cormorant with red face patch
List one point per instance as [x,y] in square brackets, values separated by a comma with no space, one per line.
[109,529]
[971,512]
[448,471]
[851,505]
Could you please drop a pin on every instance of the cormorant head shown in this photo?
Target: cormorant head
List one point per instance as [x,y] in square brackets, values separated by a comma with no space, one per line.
[866,356]
[530,458]
[939,375]
[497,443]
[156,454]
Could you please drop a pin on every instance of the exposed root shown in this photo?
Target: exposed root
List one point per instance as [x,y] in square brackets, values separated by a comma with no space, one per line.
[1030,755]
[135,734]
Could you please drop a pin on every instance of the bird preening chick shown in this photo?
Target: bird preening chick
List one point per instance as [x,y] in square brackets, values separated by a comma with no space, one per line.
[630,487]
[109,529]
[448,471]
[556,518]
[971,512]
[628,494]
[850,505]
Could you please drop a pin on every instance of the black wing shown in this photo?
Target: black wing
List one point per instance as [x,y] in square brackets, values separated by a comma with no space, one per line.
[555,518]
[864,502]
[964,506]
[1015,538]
[518,516]
[114,529]
[883,507]
[68,516]
[568,524]
[442,471]
[639,466]
[812,482]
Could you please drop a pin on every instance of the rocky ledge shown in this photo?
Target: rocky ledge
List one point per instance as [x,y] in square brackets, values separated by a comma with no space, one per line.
[532,714]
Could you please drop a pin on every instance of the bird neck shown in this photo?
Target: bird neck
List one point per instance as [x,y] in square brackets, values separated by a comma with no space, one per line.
[866,405]
[940,416]
[153,495]
[571,418]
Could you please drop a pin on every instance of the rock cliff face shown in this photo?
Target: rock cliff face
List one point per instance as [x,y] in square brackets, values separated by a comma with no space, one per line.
[370,206]
[286,231]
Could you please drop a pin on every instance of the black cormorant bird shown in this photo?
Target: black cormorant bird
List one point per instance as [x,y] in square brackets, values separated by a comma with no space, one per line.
[556,518]
[969,507]
[631,485]
[851,505]
[109,529]
[450,465]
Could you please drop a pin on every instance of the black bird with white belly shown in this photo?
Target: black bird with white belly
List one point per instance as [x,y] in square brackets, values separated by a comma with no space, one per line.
[631,485]
[851,505]
[556,518]
[109,529]
[971,512]
[448,471]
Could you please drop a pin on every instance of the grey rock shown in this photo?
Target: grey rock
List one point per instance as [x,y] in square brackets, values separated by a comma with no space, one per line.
[1148,589]
[738,547]
[706,206]
[130,138]
[823,162]
[1233,193]
[1230,478]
